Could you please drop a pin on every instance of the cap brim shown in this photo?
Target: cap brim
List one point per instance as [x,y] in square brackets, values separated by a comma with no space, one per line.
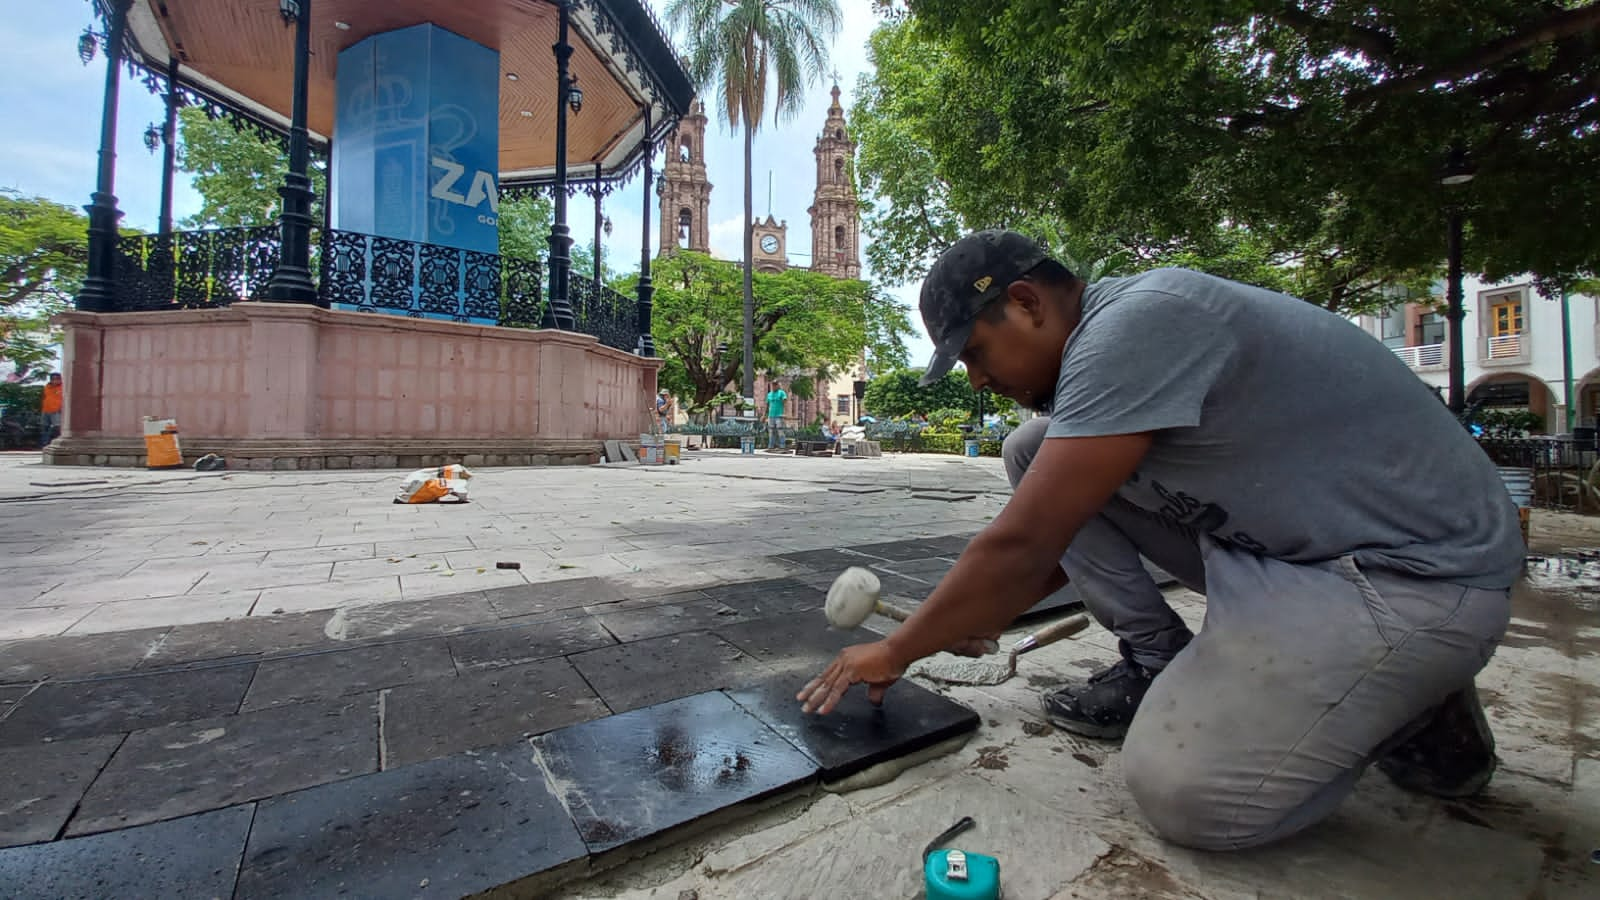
[945,357]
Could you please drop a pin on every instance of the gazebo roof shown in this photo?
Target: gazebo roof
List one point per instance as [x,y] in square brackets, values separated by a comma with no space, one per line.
[239,53]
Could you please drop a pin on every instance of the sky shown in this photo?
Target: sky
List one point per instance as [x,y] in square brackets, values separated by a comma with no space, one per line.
[53,103]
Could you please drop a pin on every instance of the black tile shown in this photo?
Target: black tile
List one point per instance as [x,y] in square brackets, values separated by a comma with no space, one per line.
[483,709]
[778,596]
[76,656]
[525,643]
[442,615]
[629,676]
[945,496]
[832,558]
[951,545]
[43,783]
[906,587]
[857,734]
[323,676]
[857,489]
[667,618]
[598,609]
[931,568]
[82,708]
[787,642]
[629,776]
[250,636]
[193,857]
[901,550]
[10,695]
[551,596]
[447,828]
[181,769]
[1064,600]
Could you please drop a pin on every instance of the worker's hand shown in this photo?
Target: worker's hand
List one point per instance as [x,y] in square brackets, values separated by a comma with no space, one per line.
[874,664]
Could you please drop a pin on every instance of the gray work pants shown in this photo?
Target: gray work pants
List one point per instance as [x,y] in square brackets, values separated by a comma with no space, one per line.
[1259,725]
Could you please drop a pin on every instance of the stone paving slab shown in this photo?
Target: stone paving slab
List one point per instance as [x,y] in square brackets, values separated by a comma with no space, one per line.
[58,710]
[432,719]
[551,596]
[33,660]
[659,669]
[193,857]
[175,770]
[447,829]
[522,643]
[256,636]
[667,618]
[43,783]
[328,674]
[627,777]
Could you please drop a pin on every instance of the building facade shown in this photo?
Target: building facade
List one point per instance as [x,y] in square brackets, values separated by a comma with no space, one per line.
[1514,349]
[835,211]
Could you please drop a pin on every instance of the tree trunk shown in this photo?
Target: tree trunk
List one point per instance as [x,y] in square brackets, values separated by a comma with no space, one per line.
[749,382]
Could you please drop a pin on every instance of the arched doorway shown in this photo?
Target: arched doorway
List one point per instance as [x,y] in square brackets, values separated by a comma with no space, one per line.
[1586,399]
[1518,391]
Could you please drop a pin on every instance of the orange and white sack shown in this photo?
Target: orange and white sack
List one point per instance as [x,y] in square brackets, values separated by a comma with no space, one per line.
[433,485]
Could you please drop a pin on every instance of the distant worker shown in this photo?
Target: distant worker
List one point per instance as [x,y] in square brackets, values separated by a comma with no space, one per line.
[775,399]
[50,410]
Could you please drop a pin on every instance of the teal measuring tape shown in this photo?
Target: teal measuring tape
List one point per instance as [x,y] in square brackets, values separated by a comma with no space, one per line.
[956,874]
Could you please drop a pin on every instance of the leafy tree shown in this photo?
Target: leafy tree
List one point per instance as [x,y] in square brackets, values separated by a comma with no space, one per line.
[1316,131]
[804,322]
[743,48]
[237,173]
[43,260]
[896,394]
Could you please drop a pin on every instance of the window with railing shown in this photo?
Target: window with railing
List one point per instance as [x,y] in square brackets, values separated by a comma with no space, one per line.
[1392,327]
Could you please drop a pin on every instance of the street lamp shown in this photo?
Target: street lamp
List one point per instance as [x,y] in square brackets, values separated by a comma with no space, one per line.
[152,137]
[289,10]
[608,226]
[1457,173]
[574,95]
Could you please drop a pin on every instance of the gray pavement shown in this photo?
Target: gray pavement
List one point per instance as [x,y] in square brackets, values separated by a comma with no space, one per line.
[383,640]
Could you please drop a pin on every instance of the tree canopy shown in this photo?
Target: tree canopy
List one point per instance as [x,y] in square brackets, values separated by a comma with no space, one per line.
[236,173]
[895,394]
[43,260]
[1311,137]
[804,322]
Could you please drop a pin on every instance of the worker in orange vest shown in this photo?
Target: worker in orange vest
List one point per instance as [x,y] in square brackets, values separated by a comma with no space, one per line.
[50,407]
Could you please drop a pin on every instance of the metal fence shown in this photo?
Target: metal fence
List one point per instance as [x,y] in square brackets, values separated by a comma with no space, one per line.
[216,267]
[1565,471]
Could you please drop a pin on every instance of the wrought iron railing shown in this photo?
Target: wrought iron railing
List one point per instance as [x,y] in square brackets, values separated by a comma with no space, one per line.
[216,267]
[1561,472]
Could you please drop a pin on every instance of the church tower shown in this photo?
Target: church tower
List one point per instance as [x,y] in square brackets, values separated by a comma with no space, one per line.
[685,193]
[835,215]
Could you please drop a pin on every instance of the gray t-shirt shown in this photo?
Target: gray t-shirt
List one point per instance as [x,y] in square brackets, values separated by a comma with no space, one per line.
[1282,429]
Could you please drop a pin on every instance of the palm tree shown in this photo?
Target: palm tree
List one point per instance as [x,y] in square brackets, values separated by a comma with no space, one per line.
[743,47]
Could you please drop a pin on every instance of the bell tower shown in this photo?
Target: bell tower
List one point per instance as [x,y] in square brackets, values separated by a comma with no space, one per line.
[835,214]
[684,191]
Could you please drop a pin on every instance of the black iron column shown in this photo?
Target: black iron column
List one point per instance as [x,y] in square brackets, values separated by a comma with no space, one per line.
[98,293]
[291,283]
[597,223]
[169,159]
[647,290]
[558,312]
[1455,312]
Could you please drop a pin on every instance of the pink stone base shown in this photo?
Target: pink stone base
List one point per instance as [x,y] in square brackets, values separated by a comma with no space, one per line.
[285,386]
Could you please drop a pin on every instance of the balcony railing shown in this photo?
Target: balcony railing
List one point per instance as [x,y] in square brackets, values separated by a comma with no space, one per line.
[1422,356]
[1505,347]
[217,267]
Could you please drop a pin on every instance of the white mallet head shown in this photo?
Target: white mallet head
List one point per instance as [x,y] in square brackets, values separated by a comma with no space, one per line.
[852,597]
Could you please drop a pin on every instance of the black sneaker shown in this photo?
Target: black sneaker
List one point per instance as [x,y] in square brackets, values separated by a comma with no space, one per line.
[1448,752]
[1104,707]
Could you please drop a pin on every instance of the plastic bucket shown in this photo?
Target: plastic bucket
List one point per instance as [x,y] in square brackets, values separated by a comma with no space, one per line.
[972,448]
[161,444]
[747,445]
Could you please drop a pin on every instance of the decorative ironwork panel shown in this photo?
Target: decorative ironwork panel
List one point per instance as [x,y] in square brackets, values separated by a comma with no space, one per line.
[480,296]
[604,313]
[192,282]
[522,282]
[344,268]
[262,251]
[393,277]
[439,290]
[143,273]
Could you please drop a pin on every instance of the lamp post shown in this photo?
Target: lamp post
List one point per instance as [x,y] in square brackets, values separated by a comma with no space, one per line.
[291,281]
[558,312]
[99,291]
[1457,172]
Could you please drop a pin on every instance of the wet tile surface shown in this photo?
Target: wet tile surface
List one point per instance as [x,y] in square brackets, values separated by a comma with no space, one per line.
[629,776]
[84,708]
[629,676]
[483,709]
[790,641]
[424,617]
[253,636]
[525,643]
[667,618]
[323,676]
[76,655]
[180,769]
[43,783]
[447,828]
[857,734]
[551,596]
[193,857]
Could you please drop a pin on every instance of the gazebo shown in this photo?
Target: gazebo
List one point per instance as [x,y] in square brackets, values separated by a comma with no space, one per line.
[389,329]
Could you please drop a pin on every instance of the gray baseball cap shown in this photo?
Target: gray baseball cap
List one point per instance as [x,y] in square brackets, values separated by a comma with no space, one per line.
[964,279]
